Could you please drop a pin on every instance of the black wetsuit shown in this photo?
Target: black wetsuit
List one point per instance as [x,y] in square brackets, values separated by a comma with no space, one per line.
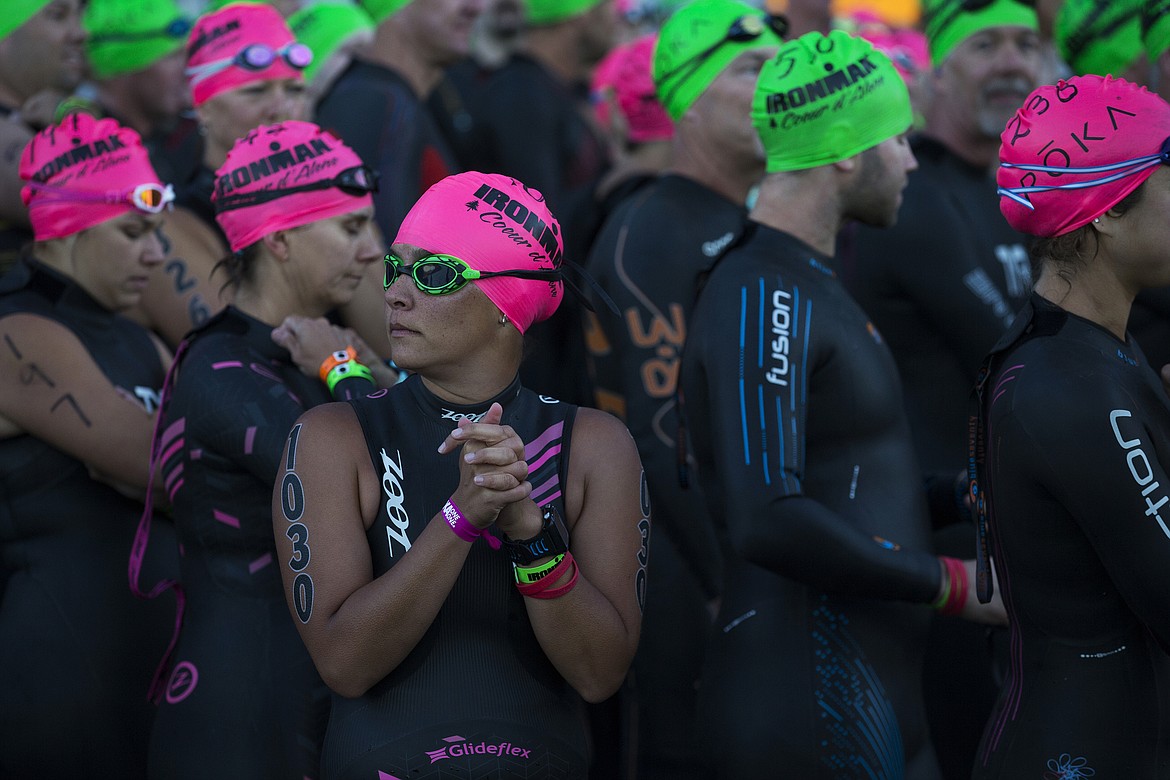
[1078,432]
[476,698]
[194,194]
[243,698]
[941,287]
[651,256]
[794,408]
[377,113]
[77,650]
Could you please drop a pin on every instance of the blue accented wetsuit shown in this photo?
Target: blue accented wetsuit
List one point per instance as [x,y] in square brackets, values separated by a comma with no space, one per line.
[377,113]
[795,411]
[76,648]
[1077,429]
[941,287]
[635,361]
[243,698]
[476,698]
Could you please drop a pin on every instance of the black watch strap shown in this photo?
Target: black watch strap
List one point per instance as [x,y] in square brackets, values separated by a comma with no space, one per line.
[553,539]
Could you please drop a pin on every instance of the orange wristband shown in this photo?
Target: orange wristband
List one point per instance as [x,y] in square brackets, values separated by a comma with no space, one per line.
[335,359]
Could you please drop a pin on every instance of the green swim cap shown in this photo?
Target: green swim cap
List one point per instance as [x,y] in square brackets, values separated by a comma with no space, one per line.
[826,98]
[949,22]
[541,12]
[325,27]
[1099,36]
[701,39]
[1155,27]
[380,9]
[124,36]
[16,13]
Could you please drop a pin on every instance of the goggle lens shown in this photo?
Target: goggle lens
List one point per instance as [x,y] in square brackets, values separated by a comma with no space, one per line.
[152,198]
[259,56]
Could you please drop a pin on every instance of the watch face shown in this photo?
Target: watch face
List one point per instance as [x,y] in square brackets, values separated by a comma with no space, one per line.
[553,539]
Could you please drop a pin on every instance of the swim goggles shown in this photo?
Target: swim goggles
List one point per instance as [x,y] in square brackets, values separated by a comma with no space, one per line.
[257,57]
[356,181]
[147,198]
[1112,172]
[445,274]
[745,28]
[179,28]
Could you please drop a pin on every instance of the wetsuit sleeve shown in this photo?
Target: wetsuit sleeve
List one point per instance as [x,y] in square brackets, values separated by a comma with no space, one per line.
[1105,462]
[638,376]
[759,433]
[242,413]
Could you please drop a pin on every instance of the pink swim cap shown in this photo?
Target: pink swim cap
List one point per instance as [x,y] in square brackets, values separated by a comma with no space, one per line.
[286,175]
[86,171]
[1076,149]
[626,72]
[493,223]
[240,44]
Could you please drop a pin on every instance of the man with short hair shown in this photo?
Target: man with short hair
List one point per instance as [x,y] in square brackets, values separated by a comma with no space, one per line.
[40,51]
[650,256]
[794,410]
[941,287]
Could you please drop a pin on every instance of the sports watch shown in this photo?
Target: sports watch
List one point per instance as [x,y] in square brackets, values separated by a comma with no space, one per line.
[553,539]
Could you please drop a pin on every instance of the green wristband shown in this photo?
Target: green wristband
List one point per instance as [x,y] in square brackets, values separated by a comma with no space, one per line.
[530,574]
[347,370]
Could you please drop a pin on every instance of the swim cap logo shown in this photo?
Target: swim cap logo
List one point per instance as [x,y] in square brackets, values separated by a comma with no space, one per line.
[279,160]
[460,747]
[1052,154]
[813,91]
[543,233]
[79,154]
[208,36]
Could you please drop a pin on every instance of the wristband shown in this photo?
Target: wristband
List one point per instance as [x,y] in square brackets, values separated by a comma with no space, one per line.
[954,593]
[526,575]
[348,370]
[544,587]
[346,355]
[463,528]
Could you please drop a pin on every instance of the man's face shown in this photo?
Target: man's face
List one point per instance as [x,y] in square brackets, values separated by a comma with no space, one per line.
[724,109]
[441,28]
[881,178]
[986,78]
[46,52]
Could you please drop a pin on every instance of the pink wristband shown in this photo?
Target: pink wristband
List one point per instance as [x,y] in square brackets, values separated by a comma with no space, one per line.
[464,529]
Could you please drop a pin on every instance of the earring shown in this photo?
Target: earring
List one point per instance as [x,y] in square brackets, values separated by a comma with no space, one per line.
[503,319]
[1097,221]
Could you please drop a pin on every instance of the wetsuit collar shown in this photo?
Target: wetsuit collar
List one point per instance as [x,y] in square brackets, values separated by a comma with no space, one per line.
[439,409]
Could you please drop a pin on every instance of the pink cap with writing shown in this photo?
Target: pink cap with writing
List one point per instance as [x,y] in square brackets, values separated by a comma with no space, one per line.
[1076,149]
[220,42]
[493,223]
[83,172]
[286,175]
[625,73]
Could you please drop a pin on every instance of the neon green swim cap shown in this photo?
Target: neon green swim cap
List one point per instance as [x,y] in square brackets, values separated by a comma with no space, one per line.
[1155,27]
[826,98]
[16,13]
[542,12]
[950,22]
[124,36]
[325,27]
[1099,36]
[380,9]
[699,40]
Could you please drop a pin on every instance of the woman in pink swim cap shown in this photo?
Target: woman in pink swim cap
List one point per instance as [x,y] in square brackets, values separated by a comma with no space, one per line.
[478,551]
[79,387]
[245,69]
[1071,445]
[295,205]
